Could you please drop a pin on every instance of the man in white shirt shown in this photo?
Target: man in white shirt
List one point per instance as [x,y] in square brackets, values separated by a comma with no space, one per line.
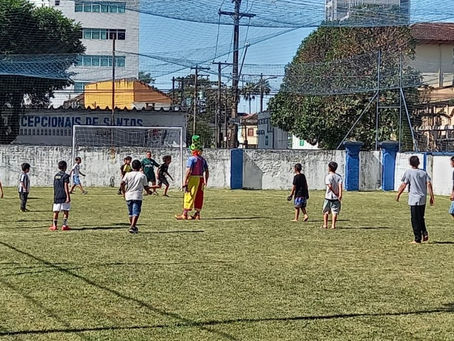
[132,187]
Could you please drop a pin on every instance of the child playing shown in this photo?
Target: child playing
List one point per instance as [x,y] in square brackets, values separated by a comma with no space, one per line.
[24,186]
[419,182]
[62,199]
[75,172]
[333,196]
[132,187]
[451,210]
[301,193]
[125,168]
[162,172]
[148,165]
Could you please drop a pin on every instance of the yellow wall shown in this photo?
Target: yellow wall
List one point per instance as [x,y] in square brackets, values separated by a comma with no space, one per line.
[252,140]
[100,94]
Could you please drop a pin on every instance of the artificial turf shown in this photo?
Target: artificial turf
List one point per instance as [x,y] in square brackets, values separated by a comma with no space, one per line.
[244,272]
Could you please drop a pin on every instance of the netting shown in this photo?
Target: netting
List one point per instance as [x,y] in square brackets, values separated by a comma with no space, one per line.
[118,141]
[167,39]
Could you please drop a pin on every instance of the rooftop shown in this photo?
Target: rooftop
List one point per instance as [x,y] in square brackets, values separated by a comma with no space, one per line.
[433,32]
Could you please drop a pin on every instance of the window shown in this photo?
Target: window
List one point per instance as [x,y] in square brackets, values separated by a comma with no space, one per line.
[100,61]
[57,2]
[250,132]
[96,7]
[79,86]
[103,33]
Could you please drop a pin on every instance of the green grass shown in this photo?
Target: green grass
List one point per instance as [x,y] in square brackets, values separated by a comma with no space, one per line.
[245,272]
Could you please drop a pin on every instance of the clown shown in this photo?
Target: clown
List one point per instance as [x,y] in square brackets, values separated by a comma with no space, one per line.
[195,180]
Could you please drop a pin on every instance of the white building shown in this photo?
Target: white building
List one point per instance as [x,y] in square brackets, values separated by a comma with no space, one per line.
[102,22]
[339,10]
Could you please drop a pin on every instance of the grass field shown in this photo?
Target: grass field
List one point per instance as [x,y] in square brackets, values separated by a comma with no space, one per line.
[245,272]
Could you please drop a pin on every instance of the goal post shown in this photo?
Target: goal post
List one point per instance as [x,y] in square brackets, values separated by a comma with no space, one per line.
[112,138]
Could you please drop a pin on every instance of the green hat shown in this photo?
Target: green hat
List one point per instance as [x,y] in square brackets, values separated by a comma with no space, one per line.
[196,145]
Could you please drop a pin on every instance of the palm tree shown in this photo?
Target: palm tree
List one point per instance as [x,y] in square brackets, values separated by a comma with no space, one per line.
[249,91]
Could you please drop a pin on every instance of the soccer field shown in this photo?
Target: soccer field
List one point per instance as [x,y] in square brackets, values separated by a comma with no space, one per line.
[244,272]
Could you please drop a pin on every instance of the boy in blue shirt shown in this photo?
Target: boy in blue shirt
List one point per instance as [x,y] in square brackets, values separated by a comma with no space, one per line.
[62,199]
[24,186]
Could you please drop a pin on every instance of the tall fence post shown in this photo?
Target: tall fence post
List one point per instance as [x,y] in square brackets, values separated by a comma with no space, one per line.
[236,169]
[389,154]
[352,166]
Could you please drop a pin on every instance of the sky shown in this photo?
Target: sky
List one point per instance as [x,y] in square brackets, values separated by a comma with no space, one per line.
[170,46]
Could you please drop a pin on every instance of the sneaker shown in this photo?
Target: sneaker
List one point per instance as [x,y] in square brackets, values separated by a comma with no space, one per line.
[425,238]
[119,193]
[53,228]
[84,192]
[165,195]
[65,228]
[24,210]
[133,230]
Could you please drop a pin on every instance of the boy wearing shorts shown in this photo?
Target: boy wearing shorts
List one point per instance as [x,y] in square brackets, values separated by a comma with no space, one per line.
[76,173]
[333,196]
[24,186]
[132,187]
[300,192]
[62,199]
[163,170]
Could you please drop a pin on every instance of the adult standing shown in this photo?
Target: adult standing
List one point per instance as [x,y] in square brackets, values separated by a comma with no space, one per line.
[195,180]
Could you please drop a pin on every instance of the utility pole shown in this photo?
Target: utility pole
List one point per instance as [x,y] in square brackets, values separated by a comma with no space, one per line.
[196,94]
[217,117]
[261,93]
[173,90]
[113,80]
[182,92]
[236,16]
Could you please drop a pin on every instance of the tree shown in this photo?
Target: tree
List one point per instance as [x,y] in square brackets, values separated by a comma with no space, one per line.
[249,91]
[332,77]
[146,77]
[40,41]
[207,104]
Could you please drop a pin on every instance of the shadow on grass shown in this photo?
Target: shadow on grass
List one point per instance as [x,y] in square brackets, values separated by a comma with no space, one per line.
[237,218]
[174,231]
[363,227]
[442,243]
[97,228]
[447,308]
[183,321]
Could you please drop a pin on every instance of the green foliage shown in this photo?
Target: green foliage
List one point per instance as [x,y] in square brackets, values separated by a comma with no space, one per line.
[146,77]
[331,79]
[30,31]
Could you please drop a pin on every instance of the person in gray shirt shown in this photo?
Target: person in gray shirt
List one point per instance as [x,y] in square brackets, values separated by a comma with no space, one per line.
[418,182]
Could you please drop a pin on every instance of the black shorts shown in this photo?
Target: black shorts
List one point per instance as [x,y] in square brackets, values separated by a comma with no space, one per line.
[151,178]
[163,181]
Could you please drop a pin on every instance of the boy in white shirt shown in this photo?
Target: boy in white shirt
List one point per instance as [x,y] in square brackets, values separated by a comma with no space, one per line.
[132,187]
[75,172]
[333,196]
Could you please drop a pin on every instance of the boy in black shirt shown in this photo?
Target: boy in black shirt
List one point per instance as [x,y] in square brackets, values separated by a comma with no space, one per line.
[300,191]
[62,200]
[162,172]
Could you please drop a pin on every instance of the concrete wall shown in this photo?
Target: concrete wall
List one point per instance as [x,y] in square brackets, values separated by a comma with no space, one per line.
[270,169]
[102,168]
[263,169]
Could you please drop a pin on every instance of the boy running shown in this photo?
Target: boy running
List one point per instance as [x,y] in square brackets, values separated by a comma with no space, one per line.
[125,168]
[301,193]
[419,182]
[75,172]
[162,172]
[62,199]
[148,165]
[333,196]
[451,210]
[24,186]
[132,187]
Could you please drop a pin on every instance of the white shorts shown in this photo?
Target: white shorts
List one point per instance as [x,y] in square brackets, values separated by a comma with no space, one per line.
[66,206]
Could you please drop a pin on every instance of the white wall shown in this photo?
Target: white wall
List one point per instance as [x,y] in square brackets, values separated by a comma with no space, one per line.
[102,168]
[274,169]
[370,171]
[402,164]
[442,175]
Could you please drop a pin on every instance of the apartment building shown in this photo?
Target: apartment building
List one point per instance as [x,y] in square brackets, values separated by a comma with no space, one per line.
[340,10]
[103,22]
